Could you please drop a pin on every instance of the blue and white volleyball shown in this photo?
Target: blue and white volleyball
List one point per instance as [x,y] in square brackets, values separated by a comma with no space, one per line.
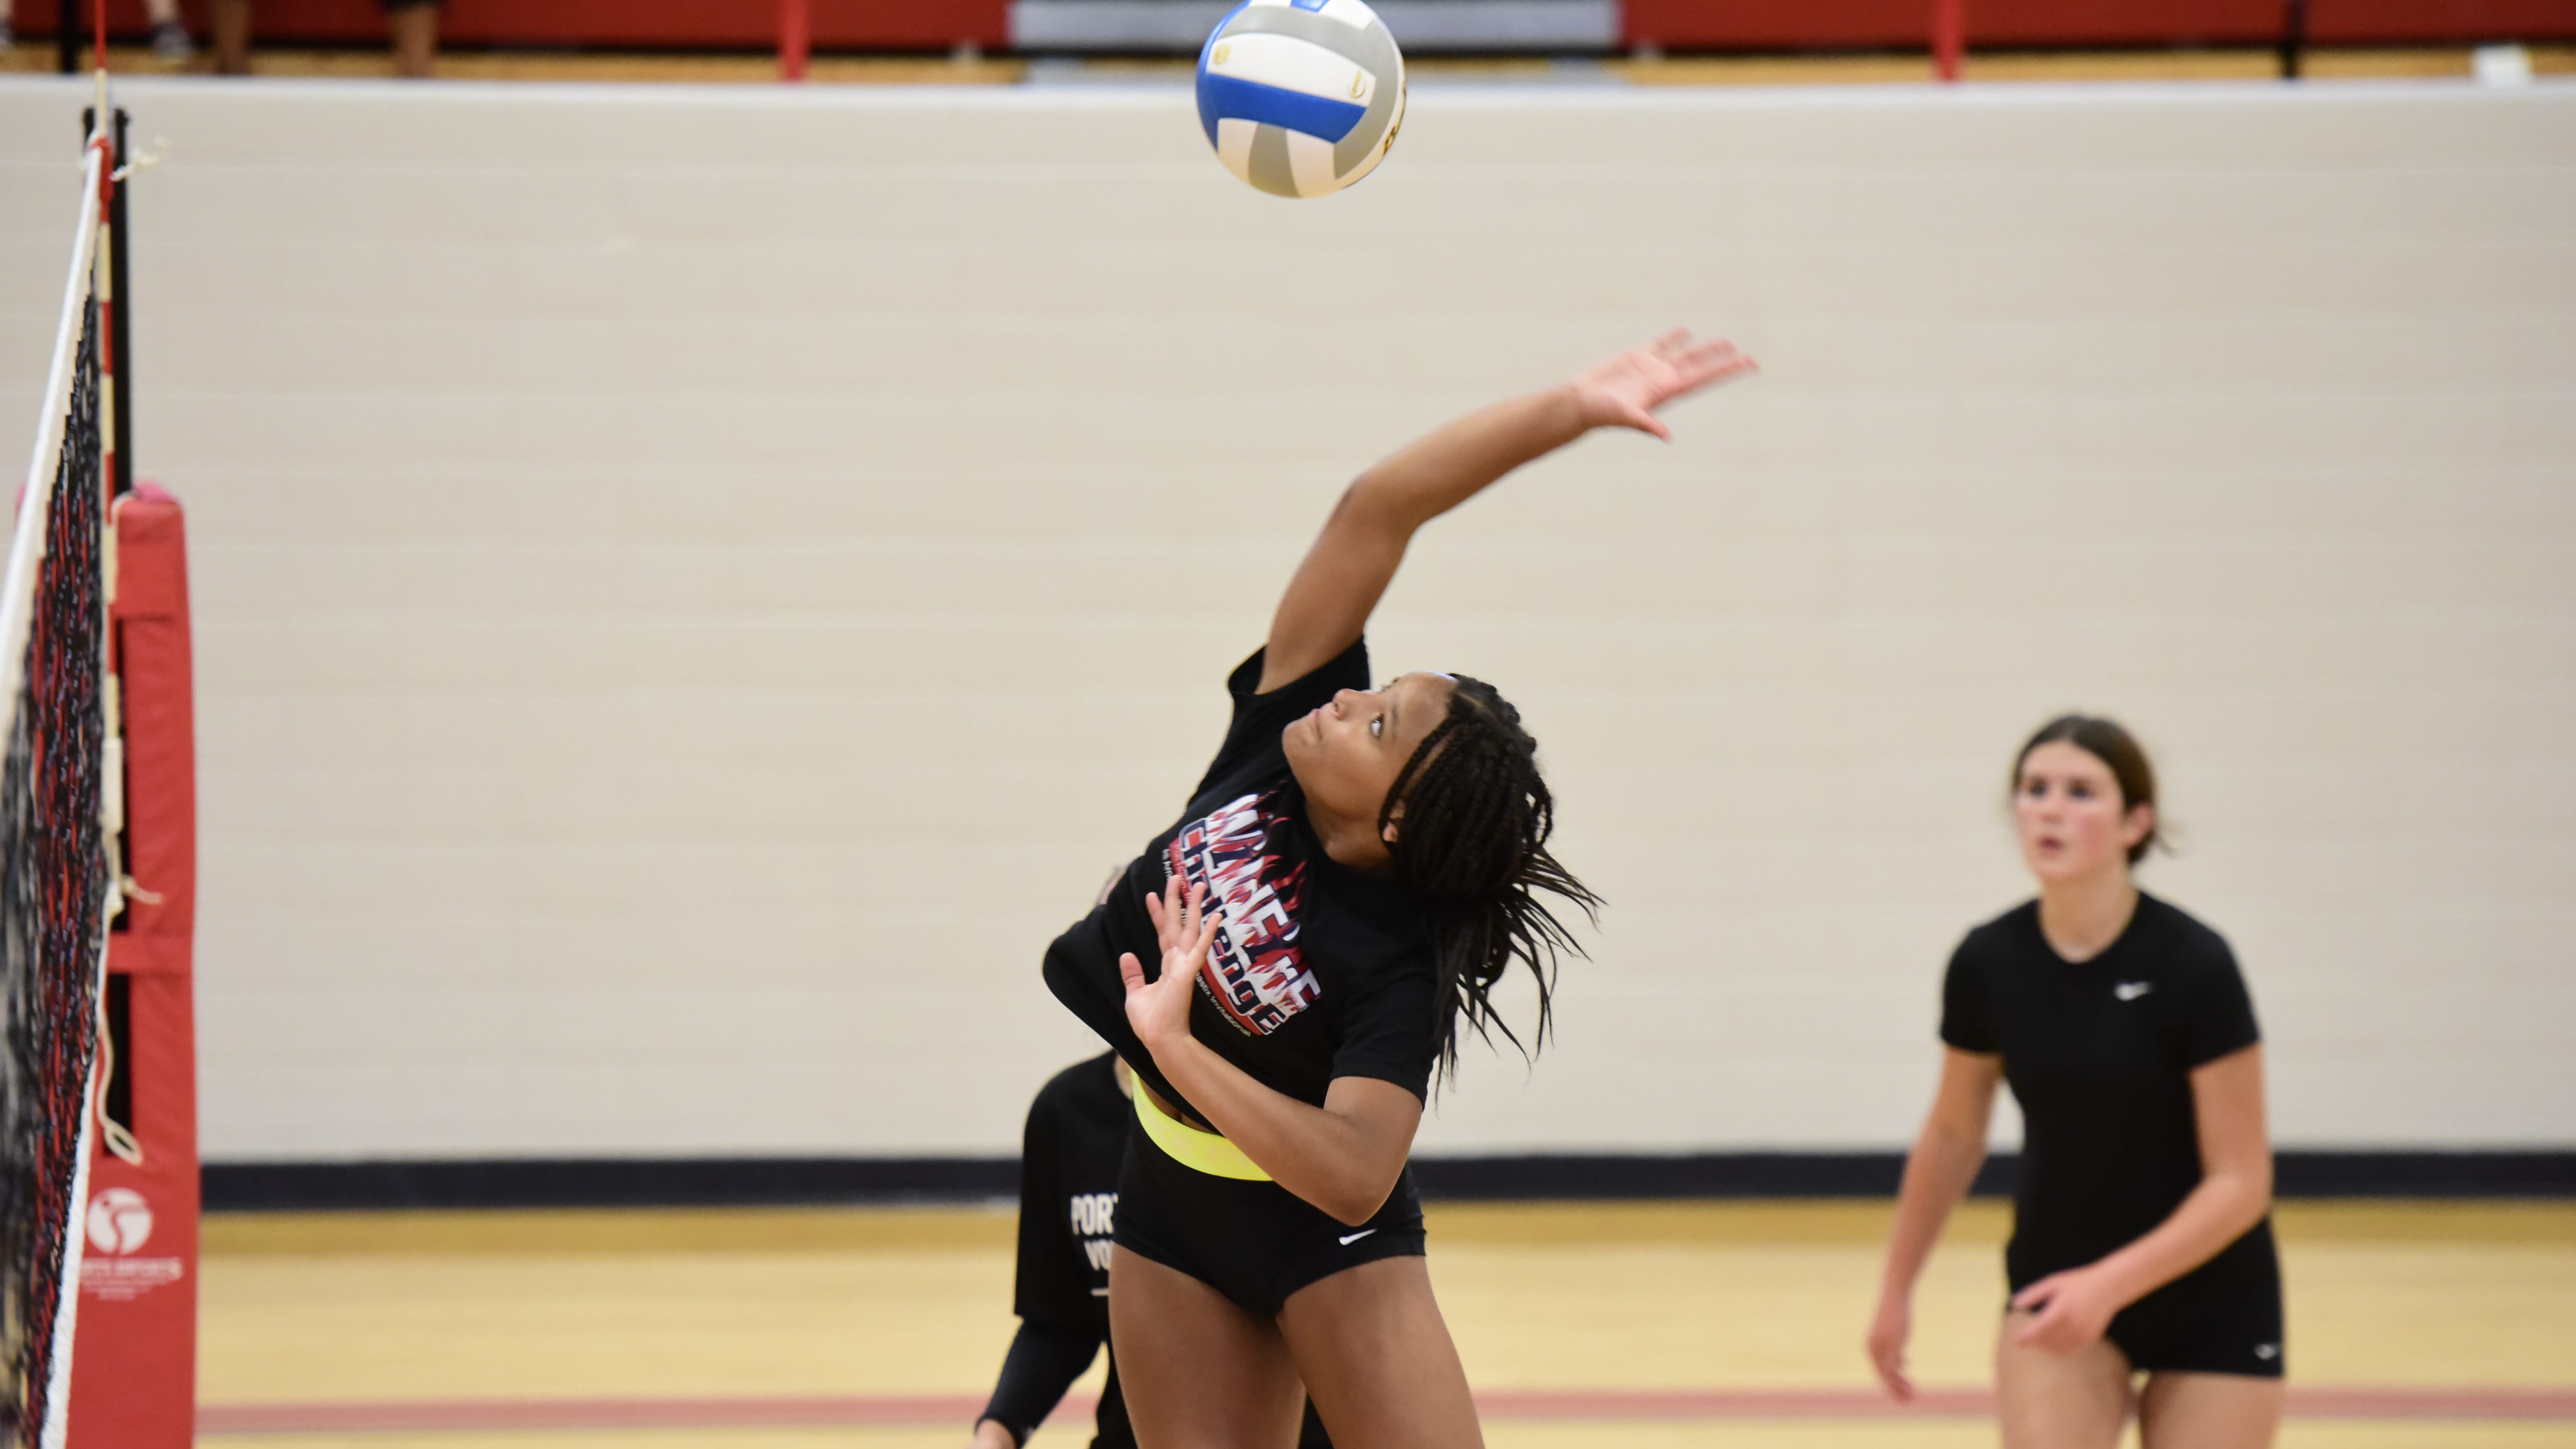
[1301,97]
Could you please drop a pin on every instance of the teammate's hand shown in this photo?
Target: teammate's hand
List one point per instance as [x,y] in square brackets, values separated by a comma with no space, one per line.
[1888,1330]
[2064,1311]
[1159,1010]
[1624,391]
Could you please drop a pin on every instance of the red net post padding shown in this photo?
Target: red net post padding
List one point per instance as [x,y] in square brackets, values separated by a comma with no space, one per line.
[135,1360]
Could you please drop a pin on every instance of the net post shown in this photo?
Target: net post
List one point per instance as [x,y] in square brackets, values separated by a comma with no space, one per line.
[120,332]
[794,39]
[109,290]
[1949,38]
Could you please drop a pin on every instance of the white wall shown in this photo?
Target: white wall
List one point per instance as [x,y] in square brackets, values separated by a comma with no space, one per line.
[695,587]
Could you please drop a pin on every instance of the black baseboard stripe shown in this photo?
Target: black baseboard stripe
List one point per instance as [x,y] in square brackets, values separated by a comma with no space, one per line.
[604,1182]
[772,1181]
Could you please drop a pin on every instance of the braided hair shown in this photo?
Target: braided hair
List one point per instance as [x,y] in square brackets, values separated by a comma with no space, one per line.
[1473,840]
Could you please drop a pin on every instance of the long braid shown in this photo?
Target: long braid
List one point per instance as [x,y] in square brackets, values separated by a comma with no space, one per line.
[1473,838]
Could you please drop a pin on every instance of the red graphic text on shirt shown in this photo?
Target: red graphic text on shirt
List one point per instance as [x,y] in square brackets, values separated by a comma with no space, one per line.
[1254,973]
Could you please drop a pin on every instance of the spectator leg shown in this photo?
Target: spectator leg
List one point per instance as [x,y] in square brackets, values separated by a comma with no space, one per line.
[415,34]
[231,24]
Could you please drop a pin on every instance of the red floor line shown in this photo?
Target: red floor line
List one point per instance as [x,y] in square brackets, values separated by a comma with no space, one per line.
[886,1410]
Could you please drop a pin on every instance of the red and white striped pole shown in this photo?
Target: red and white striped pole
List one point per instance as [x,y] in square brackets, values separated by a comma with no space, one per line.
[794,40]
[1949,37]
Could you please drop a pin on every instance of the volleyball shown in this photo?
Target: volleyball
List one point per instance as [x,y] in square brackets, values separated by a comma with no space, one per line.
[1301,97]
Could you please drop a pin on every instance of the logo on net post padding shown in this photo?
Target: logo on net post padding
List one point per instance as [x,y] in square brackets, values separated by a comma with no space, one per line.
[118,1225]
[119,1221]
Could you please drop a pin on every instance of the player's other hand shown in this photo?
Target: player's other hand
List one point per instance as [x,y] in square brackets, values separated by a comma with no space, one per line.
[1159,1010]
[1888,1330]
[1624,391]
[989,1434]
[2063,1311]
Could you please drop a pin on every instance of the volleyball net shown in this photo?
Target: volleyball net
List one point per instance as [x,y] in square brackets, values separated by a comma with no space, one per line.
[55,877]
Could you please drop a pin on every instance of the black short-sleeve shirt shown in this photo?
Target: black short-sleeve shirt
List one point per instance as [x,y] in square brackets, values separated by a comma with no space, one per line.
[1318,971]
[1069,1155]
[2099,1054]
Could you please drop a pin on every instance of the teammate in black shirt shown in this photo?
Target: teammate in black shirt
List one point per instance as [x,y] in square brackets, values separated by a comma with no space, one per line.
[2141,1237]
[1069,1157]
[1284,967]
[1069,1154]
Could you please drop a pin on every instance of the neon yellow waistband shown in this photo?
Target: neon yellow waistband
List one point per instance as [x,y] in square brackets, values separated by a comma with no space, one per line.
[1200,1151]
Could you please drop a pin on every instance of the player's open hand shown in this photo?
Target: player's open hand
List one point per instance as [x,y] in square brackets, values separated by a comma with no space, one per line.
[1159,1009]
[2063,1312]
[1888,1330]
[1624,391]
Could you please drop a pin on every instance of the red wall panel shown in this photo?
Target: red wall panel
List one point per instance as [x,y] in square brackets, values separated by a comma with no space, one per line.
[2438,22]
[1779,24]
[2123,22]
[600,24]
[1907,24]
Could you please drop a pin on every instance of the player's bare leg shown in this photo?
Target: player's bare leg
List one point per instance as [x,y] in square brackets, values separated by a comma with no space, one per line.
[1377,1358]
[2050,1400]
[1198,1372]
[2210,1411]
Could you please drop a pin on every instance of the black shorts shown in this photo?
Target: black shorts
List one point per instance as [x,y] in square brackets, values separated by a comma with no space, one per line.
[1254,1242]
[2223,1317]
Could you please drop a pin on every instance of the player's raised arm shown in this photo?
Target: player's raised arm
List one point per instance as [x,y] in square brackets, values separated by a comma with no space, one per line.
[1335,589]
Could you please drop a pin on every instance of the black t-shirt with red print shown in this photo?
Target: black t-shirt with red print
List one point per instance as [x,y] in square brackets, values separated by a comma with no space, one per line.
[1318,971]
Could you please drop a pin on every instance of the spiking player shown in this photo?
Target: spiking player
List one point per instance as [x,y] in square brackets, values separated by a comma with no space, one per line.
[1284,967]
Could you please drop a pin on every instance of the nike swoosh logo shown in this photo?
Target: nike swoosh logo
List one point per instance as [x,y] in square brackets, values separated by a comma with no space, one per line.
[2132,990]
[1355,1237]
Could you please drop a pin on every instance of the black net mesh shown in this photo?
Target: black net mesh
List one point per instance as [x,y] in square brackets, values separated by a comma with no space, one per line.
[53,885]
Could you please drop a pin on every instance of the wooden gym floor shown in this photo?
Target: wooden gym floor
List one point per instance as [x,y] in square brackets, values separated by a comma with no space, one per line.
[1619,1326]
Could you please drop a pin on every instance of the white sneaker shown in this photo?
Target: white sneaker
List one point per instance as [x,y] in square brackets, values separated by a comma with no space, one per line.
[170,43]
